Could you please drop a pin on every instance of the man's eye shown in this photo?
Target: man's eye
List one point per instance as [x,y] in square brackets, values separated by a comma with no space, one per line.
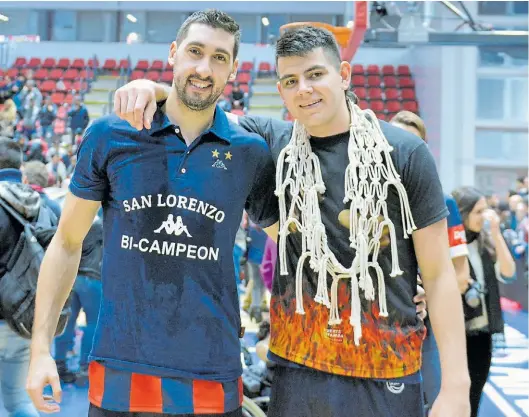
[194,51]
[221,58]
[316,74]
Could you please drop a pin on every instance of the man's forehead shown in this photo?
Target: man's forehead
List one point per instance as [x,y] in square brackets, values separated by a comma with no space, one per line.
[199,33]
[299,64]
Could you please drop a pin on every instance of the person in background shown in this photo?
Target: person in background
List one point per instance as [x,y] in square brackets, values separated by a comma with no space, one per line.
[78,118]
[431,365]
[35,174]
[57,168]
[47,116]
[490,261]
[237,97]
[224,103]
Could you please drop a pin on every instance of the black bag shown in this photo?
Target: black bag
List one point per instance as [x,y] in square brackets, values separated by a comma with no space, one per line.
[18,286]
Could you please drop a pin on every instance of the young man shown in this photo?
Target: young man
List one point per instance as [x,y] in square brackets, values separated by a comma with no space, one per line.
[341,349]
[431,366]
[167,337]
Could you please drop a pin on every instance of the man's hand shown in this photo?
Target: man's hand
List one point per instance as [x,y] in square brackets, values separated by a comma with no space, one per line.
[43,372]
[420,301]
[344,218]
[453,402]
[135,103]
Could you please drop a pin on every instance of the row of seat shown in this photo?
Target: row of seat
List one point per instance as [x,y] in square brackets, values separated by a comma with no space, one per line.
[389,106]
[71,74]
[50,86]
[376,93]
[388,81]
[401,70]
[50,63]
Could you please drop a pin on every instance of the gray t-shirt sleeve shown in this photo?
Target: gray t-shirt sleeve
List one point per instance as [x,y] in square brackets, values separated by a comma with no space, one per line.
[422,183]
[267,127]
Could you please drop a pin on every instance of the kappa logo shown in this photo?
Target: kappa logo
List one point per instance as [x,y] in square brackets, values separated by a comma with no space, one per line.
[218,162]
[173,227]
[395,387]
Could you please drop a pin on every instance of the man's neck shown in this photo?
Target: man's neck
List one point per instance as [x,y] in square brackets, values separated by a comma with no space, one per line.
[191,123]
[338,124]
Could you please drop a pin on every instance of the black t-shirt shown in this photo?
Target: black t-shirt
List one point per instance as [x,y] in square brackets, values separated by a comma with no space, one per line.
[390,346]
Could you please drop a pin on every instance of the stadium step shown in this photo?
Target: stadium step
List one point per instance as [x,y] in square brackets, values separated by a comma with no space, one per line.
[266,98]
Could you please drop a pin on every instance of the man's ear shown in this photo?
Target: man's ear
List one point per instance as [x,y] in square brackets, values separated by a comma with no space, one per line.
[172,53]
[233,74]
[345,73]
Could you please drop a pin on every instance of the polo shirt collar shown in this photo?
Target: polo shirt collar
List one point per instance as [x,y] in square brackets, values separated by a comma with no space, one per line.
[220,127]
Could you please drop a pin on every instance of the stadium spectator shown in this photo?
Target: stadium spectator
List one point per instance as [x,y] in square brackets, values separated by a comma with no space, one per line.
[78,118]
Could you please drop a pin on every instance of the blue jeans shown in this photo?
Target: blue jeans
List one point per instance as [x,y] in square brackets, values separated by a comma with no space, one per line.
[237,255]
[14,363]
[431,366]
[86,294]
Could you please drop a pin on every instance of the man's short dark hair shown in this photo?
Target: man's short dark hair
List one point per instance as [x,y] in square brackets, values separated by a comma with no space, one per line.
[214,19]
[303,40]
[10,154]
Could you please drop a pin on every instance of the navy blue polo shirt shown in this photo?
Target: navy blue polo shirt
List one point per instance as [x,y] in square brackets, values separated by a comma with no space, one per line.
[171,213]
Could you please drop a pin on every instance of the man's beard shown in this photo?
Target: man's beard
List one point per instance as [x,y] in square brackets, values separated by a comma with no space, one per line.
[197,103]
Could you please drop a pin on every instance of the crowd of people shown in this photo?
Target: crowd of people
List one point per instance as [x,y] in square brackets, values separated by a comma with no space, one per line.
[345,277]
[29,118]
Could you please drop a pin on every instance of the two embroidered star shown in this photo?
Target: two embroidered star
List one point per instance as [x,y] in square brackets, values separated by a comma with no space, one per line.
[216,153]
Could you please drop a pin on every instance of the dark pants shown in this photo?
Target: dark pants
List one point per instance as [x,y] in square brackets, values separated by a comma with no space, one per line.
[479,352]
[86,294]
[310,393]
[99,412]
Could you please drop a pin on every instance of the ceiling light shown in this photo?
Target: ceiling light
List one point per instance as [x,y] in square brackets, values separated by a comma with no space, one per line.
[131,18]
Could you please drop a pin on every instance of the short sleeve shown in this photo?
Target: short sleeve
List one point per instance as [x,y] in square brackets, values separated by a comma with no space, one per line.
[266,127]
[456,231]
[423,186]
[89,180]
[262,205]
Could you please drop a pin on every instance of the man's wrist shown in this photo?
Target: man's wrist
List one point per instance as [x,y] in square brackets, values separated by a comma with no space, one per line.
[457,383]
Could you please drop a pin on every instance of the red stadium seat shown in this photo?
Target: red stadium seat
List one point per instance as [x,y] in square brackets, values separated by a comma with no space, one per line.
[71,74]
[110,65]
[136,75]
[358,80]
[78,63]
[93,63]
[57,98]
[168,67]
[62,112]
[374,81]
[406,82]
[79,86]
[55,74]
[403,70]
[227,89]
[373,70]
[265,67]
[376,105]
[358,69]
[157,65]
[388,70]
[142,65]
[363,104]
[391,94]
[12,72]
[124,64]
[20,62]
[360,92]
[380,116]
[41,74]
[390,81]
[153,75]
[34,63]
[47,86]
[244,77]
[393,106]
[245,87]
[375,93]
[86,75]
[408,94]
[246,66]
[410,106]
[49,63]
[63,63]
[167,77]
[69,99]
